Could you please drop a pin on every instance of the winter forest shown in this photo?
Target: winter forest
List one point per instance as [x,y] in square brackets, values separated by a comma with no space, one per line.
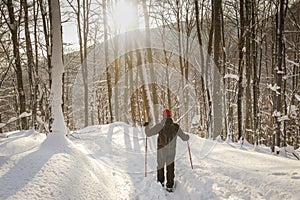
[225,68]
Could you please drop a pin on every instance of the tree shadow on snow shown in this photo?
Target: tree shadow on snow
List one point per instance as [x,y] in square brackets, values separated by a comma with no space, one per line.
[25,169]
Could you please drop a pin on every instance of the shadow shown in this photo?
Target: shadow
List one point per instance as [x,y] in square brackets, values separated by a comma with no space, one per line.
[127,158]
[127,139]
[111,130]
[25,170]
[197,166]
[3,159]
[135,135]
[12,137]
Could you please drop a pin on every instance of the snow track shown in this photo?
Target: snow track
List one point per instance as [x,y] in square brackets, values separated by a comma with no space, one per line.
[240,174]
[107,162]
[221,170]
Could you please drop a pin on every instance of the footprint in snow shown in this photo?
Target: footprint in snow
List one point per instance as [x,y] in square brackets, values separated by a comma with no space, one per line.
[279,173]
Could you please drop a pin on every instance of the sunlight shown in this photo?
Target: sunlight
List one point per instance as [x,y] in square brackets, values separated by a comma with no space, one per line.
[124,16]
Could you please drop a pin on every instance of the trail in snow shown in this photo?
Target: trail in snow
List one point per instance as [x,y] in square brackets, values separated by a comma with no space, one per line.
[107,162]
[221,171]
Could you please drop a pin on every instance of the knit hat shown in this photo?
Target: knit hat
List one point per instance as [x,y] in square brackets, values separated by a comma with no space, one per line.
[166,113]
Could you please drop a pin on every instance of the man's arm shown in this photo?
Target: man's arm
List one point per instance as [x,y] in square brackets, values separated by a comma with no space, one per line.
[181,134]
[153,131]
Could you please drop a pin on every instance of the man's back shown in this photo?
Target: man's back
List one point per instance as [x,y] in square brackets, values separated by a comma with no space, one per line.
[168,134]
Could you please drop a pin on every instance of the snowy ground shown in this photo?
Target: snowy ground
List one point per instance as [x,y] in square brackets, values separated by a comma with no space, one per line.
[107,162]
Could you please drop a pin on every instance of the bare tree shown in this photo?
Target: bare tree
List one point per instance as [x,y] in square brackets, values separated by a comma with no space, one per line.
[278,102]
[14,25]
[108,76]
[150,60]
[256,71]
[248,71]
[241,69]
[30,63]
[82,12]
[58,125]
[46,16]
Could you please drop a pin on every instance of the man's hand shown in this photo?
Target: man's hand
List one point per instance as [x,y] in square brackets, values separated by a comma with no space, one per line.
[186,137]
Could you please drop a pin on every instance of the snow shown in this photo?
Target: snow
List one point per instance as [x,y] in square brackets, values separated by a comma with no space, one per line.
[107,162]
[274,88]
[24,114]
[233,76]
[292,62]
[292,111]
[12,120]
[2,125]
[297,97]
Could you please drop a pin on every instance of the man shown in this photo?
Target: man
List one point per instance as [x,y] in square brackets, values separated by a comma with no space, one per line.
[167,132]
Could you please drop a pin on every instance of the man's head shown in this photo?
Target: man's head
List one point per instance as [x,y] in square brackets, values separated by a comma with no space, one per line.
[166,113]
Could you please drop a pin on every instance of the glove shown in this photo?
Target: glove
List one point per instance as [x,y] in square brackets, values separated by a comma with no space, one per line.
[146,124]
[187,137]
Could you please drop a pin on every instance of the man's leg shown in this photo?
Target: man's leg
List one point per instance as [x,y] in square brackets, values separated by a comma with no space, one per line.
[170,170]
[170,175]
[160,167]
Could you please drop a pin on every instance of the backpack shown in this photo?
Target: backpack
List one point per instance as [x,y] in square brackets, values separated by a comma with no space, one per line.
[167,135]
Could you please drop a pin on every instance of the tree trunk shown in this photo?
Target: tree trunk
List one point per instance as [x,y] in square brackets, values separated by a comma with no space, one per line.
[217,32]
[108,76]
[217,23]
[14,30]
[36,69]
[86,13]
[58,125]
[248,97]
[225,117]
[241,71]
[180,45]
[255,73]
[207,78]
[30,63]
[117,75]
[278,106]
[83,61]
[203,78]
[146,97]
[47,35]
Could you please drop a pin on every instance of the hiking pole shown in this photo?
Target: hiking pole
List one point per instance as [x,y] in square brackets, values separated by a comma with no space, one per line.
[146,149]
[190,155]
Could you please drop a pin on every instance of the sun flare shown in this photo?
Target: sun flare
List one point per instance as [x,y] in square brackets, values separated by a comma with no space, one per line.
[124,16]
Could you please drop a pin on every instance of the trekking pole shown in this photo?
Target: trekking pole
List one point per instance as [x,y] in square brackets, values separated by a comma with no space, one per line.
[146,149]
[190,155]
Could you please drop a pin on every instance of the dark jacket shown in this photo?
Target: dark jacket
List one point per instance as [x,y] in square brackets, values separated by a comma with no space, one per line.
[167,132]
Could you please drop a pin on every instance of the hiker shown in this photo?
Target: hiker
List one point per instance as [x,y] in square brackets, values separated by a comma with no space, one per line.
[167,132]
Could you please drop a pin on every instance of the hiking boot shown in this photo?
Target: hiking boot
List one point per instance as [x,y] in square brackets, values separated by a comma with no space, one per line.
[162,183]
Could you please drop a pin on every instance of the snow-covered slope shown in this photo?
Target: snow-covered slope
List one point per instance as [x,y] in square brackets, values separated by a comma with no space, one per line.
[108,162]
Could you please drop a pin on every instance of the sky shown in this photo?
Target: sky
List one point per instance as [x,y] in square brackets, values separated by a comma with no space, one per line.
[120,15]
[70,34]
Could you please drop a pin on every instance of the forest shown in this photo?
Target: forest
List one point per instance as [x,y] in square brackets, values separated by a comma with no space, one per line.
[225,68]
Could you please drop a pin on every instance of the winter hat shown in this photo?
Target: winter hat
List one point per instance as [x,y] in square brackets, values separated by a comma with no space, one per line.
[166,113]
